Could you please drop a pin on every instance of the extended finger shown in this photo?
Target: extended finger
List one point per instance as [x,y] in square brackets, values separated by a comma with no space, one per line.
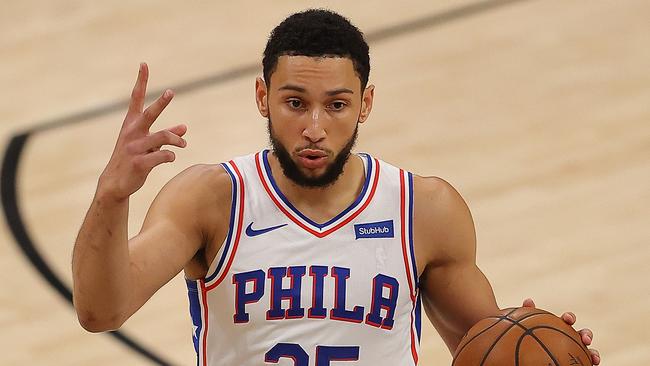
[179,130]
[139,90]
[586,335]
[155,141]
[153,111]
[595,356]
[146,162]
[529,303]
[569,318]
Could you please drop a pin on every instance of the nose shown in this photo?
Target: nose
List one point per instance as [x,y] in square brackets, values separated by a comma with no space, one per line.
[315,131]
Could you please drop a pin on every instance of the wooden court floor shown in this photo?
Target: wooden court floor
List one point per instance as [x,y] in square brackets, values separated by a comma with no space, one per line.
[537,111]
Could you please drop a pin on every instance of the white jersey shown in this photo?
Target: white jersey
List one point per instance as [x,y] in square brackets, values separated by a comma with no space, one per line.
[286,290]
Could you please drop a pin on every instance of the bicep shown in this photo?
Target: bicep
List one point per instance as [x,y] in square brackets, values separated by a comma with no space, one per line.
[157,254]
[174,230]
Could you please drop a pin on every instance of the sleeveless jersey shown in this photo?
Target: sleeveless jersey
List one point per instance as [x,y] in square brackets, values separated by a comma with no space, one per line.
[286,290]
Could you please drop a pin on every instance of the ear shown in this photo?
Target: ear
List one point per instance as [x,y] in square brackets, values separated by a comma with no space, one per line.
[366,103]
[261,97]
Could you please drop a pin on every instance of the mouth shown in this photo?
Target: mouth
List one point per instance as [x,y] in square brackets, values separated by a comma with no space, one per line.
[312,159]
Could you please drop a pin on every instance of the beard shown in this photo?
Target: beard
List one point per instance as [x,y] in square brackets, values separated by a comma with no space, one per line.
[293,172]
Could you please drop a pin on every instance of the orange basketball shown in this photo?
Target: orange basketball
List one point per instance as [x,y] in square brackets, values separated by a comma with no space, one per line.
[522,337]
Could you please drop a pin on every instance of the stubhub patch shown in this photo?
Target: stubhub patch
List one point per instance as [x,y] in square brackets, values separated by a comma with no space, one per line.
[381,229]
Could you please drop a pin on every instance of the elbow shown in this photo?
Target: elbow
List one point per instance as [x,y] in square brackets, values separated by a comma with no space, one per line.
[97,317]
[94,323]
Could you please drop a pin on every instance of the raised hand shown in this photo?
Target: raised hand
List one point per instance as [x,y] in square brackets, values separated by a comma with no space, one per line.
[137,150]
[586,334]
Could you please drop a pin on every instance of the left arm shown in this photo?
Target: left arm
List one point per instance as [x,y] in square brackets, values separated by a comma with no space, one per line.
[455,293]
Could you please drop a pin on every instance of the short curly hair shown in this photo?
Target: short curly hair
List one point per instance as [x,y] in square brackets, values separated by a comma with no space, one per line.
[317,33]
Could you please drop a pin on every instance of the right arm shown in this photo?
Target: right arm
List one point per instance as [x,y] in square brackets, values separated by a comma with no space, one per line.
[114,276]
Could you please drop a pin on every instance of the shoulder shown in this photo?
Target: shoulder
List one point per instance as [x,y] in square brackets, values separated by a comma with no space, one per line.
[197,190]
[435,197]
[204,178]
[444,228]
[204,172]
[433,188]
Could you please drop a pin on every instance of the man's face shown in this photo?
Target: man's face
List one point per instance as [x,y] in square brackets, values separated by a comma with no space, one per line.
[314,106]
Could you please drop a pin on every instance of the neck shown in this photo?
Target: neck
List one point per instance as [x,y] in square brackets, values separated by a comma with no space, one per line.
[322,203]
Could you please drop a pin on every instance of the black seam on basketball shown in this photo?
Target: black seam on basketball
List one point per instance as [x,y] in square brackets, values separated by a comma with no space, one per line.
[518,321]
[487,353]
[582,346]
[512,325]
[521,339]
[527,316]
[517,350]
[512,310]
[499,318]
[505,317]
[458,351]
[530,333]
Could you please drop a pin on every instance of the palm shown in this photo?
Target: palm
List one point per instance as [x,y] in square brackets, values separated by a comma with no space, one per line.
[138,150]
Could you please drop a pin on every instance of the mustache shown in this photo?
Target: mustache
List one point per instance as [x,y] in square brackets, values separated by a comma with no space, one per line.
[292,171]
[313,147]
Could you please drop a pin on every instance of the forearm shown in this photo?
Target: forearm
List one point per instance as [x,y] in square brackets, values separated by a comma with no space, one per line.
[104,268]
[456,298]
[101,265]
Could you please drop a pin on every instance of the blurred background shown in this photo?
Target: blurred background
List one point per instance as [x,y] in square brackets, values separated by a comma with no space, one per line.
[537,111]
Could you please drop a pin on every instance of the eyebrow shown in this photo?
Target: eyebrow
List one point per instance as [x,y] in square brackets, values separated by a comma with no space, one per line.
[339,91]
[300,89]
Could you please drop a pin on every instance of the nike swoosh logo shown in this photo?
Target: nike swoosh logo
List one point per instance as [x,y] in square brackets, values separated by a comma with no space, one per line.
[252,232]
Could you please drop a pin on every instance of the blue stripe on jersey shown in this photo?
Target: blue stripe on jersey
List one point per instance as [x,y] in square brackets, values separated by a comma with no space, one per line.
[418,316]
[195,314]
[231,225]
[410,213]
[284,199]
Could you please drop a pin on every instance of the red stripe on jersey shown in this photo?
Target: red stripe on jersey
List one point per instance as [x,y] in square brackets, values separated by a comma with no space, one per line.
[240,219]
[204,300]
[300,223]
[403,208]
[402,205]
[414,351]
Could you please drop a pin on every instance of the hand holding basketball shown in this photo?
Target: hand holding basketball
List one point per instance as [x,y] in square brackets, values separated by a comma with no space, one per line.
[523,336]
[586,335]
[137,150]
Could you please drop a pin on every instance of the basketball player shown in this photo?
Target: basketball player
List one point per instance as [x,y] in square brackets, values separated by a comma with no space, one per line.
[303,254]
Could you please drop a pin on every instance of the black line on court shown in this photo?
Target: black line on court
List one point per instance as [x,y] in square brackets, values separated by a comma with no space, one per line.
[425,22]
[17,143]
[116,106]
[19,230]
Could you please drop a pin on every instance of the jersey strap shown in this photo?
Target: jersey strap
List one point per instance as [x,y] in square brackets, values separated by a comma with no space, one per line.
[221,264]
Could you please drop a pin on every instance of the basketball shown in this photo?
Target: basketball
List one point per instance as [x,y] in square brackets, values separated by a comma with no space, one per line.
[524,337]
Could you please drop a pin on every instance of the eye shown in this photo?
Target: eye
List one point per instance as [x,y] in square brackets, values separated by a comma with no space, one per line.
[295,103]
[337,106]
